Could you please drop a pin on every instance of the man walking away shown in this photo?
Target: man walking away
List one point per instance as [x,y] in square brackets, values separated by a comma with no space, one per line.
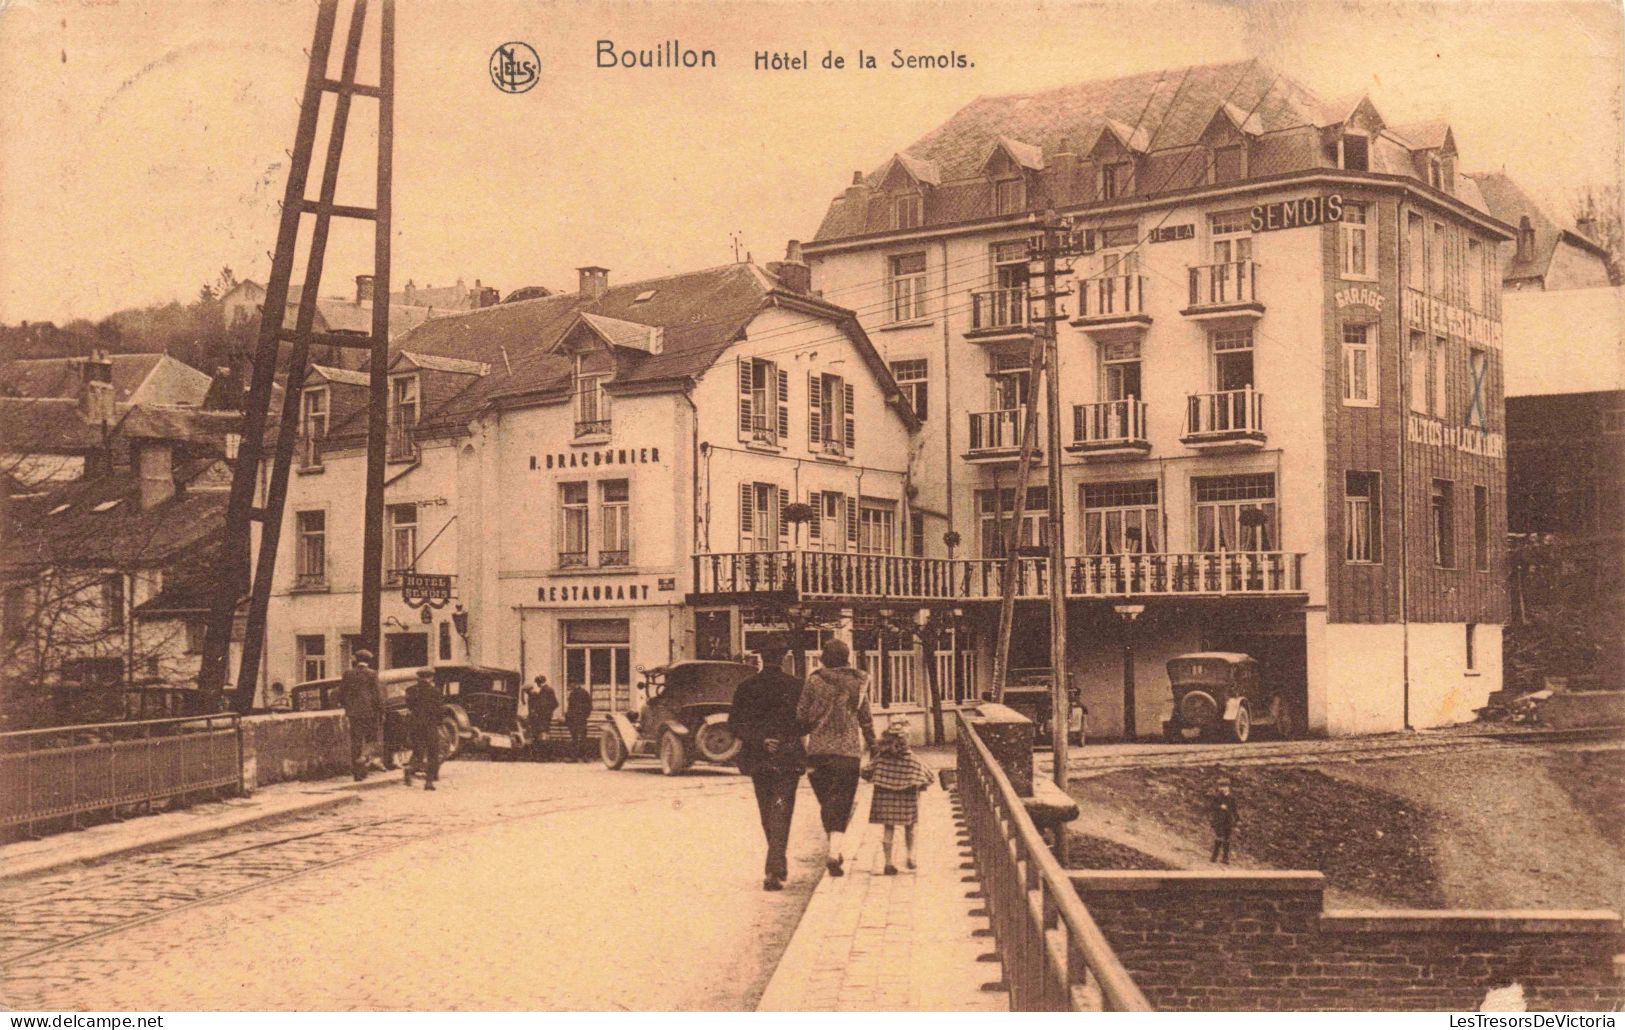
[763,717]
[541,702]
[363,701]
[423,708]
[834,708]
[577,711]
[1222,814]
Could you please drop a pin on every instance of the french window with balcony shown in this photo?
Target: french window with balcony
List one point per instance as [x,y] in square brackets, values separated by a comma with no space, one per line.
[1232,359]
[1354,233]
[764,402]
[994,508]
[591,402]
[834,526]
[1120,370]
[877,526]
[905,286]
[404,409]
[761,522]
[573,525]
[312,648]
[1230,233]
[314,415]
[614,516]
[1362,517]
[1121,518]
[310,563]
[1359,365]
[1004,306]
[1118,250]
[403,539]
[1236,513]
[1442,507]
[1010,380]
[913,379]
[831,414]
[916,534]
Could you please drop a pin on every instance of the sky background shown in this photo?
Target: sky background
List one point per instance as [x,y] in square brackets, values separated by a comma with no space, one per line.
[142,145]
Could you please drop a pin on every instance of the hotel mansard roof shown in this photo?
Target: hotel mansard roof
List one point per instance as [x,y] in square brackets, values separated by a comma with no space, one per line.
[662,332]
[1057,140]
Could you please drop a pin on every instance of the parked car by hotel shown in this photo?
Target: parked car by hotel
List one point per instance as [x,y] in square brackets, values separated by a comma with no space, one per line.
[684,717]
[481,709]
[1221,692]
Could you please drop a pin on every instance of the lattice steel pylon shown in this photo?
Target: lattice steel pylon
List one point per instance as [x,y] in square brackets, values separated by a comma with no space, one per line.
[237,584]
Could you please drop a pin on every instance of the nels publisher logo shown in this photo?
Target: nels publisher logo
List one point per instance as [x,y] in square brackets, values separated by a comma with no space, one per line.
[514,67]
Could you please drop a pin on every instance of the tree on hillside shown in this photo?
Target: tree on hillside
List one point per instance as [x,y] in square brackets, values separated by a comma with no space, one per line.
[1601,206]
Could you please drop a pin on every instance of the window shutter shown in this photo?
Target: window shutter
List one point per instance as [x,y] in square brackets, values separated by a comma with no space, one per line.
[852,521]
[784,526]
[848,396]
[744,397]
[815,410]
[784,405]
[746,498]
[815,527]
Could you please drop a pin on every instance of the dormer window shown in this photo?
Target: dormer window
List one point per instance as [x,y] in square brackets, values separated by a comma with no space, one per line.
[591,402]
[403,400]
[908,211]
[1010,196]
[313,418]
[1116,179]
[1435,172]
[1229,164]
[1356,152]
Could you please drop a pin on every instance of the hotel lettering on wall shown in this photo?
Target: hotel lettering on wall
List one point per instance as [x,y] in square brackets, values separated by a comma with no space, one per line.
[1465,439]
[1296,213]
[1422,312]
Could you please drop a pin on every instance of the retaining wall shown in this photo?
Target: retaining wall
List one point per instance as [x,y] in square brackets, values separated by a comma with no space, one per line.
[294,746]
[1208,941]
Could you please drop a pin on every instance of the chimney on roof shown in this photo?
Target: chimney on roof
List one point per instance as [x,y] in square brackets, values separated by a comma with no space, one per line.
[483,296]
[594,281]
[857,191]
[1526,240]
[96,397]
[363,289]
[155,464]
[409,293]
[1063,168]
[792,272]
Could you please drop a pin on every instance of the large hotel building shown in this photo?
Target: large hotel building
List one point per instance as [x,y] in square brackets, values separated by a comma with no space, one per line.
[1281,384]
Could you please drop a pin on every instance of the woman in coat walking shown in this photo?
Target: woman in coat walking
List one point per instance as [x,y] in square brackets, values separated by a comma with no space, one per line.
[834,707]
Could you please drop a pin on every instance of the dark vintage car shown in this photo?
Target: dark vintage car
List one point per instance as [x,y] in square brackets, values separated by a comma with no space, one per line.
[1031,692]
[481,707]
[1220,693]
[684,717]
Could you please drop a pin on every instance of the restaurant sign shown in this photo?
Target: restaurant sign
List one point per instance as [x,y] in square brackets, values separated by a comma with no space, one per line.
[1296,213]
[1466,439]
[582,593]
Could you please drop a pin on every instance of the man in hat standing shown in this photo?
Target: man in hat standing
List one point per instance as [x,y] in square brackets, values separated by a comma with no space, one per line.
[423,708]
[763,717]
[363,701]
[577,713]
[541,702]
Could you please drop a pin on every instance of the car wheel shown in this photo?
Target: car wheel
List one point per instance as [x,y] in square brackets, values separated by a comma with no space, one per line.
[673,754]
[1241,727]
[451,739]
[716,743]
[610,748]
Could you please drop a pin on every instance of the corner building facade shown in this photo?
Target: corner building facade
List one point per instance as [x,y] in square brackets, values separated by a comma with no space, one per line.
[1280,374]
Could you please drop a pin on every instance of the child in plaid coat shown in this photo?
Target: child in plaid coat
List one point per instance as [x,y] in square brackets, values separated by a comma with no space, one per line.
[898,778]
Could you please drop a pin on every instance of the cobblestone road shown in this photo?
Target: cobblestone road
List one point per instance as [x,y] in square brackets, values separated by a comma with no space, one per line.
[515,886]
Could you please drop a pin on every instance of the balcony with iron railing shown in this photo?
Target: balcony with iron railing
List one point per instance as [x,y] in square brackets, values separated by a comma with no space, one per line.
[1110,429]
[1226,420]
[995,436]
[999,314]
[1110,303]
[764,429]
[572,559]
[842,576]
[400,446]
[1225,290]
[614,559]
[592,427]
[310,581]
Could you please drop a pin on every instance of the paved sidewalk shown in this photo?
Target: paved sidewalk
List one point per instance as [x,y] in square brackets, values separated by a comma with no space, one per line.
[32,857]
[870,942]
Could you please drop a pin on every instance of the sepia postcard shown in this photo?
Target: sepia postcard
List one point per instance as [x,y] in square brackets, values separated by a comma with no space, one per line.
[849,506]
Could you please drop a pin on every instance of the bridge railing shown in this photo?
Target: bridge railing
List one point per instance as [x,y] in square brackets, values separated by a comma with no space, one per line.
[71,771]
[1055,958]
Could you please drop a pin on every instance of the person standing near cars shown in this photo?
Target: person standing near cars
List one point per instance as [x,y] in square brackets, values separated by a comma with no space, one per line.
[1222,815]
[577,712]
[764,719]
[834,707]
[363,701]
[541,702]
[423,723]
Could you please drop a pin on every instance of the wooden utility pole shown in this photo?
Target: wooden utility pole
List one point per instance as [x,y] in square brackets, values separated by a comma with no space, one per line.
[1054,245]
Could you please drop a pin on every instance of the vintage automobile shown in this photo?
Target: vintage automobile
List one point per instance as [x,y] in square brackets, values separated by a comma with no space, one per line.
[481,708]
[1031,692]
[684,717]
[1217,693]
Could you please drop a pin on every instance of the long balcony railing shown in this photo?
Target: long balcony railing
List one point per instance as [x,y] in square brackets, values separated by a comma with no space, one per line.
[1226,414]
[1224,284]
[1109,424]
[835,575]
[1004,308]
[1111,296]
[992,431]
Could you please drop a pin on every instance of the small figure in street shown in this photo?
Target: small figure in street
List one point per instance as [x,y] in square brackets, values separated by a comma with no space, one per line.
[423,723]
[763,717]
[899,778]
[541,703]
[363,701]
[577,712]
[834,709]
[1222,814]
